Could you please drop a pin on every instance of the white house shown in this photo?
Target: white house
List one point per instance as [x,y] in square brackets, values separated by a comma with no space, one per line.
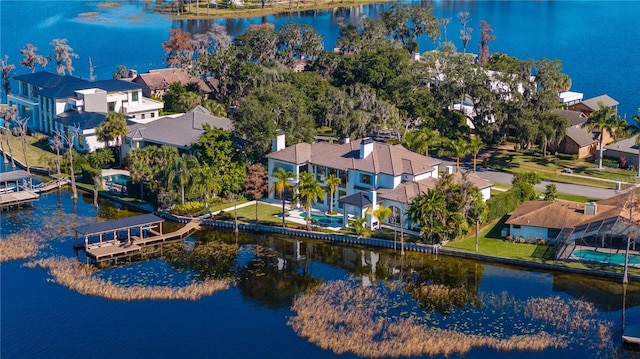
[58,103]
[371,172]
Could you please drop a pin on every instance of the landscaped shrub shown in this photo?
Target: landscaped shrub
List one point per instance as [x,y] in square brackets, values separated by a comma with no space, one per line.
[189,209]
[504,203]
[567,157]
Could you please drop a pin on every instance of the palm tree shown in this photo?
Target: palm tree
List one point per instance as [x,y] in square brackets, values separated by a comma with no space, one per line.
[205,181]
[474,147]
[419,141]
[552,128]
[423,208]
[112,128]
[381,213]
[309,190]
[603,119]
[634,129]
[180,171]
[459,148]
[281,184]
[331,186]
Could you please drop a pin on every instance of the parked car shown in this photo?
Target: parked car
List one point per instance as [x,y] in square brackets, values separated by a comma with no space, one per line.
[567,170]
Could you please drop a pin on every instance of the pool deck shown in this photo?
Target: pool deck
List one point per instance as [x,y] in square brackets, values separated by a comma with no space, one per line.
[608,251]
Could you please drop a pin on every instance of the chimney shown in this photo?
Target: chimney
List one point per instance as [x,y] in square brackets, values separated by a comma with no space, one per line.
[373,196]
[416,56]
[590,208]
[366,147]
[347,139]
[449,169]
[278,143]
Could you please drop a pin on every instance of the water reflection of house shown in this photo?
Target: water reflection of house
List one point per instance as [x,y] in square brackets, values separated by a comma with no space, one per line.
[604,294]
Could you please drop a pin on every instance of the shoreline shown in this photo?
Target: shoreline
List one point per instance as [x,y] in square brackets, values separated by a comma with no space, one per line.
[270,9]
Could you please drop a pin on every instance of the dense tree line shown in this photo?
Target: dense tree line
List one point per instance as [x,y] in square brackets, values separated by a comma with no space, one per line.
[370,82]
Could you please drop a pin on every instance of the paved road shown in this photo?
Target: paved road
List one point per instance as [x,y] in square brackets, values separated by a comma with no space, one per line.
[572,189]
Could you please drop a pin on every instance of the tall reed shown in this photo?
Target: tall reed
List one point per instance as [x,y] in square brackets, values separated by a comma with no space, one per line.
[342,317]
[69,273]
[21,245]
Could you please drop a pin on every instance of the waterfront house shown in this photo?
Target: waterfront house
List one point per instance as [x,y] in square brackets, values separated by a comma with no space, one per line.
[578,140]
[59,103]
[370,172]
[175,130]
[626,148]
[604,223]
[157,82]
[590,105]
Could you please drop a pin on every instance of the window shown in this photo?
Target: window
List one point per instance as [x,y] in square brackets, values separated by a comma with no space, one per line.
[153,114]
[134,96]
[366,179]
[143,116]
[112,106]
[515,226]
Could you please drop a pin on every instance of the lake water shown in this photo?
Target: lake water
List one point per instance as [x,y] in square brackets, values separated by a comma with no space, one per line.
[40,318]
[597,41]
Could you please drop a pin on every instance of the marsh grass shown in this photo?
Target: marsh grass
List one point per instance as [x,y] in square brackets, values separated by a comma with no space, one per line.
[21,245]
[69,273]
[342,317]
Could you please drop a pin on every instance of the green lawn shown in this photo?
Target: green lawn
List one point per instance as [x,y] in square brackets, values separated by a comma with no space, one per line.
[266,214]
[490,243]
[224,205]
[38,154]
[549,168]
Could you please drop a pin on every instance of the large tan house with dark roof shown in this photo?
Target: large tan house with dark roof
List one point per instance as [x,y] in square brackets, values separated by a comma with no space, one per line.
[373,173]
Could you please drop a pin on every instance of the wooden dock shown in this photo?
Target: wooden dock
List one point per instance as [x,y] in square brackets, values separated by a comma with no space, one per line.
[15,189]
[136,247]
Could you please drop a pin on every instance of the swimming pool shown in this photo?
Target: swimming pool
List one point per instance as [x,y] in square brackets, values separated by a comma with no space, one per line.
[611,258]
[118,178]
[323,219]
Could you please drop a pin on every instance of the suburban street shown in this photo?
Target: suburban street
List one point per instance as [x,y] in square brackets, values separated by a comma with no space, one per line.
[504,177]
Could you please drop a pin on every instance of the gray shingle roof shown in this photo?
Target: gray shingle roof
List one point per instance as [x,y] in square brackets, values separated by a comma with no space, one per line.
[627,145]
[359,199]
[122,223]
[592,103]
[582,136]
[47,79]
[14,176]
[388,159]
[574,118]
[178,131]
[407,191]
[86,120]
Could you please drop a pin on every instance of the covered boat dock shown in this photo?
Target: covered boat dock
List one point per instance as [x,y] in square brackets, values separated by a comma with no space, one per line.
[16,189]
[126,237]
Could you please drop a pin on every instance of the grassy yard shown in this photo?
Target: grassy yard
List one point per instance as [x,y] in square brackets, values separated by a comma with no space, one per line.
[38,154]
[266,214]
[490,243]
[550,168]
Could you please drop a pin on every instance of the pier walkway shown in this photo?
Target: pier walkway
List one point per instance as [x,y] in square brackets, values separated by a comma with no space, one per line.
[127,238]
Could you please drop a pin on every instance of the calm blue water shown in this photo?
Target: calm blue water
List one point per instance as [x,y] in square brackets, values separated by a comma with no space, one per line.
[40,318]
[597,41]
